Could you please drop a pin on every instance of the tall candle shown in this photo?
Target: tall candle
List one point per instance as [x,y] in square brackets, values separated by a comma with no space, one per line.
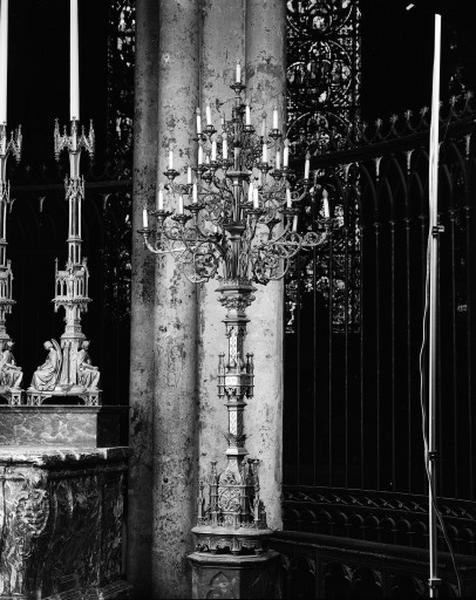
[74,61]
[208,114]
[247,115]
[160,199]
[289,200]
[199,121]
[255,198]
[275,119]
[200,154]
[307,166]
[3,59]
[238,73]
[194,193]
[224,147]
[180,205]
[265,153]
[250,192]
[145,218]
[295,223]
[286,154]
[277,164]
[325,203]
[214,150]
[189,175]
[171,159]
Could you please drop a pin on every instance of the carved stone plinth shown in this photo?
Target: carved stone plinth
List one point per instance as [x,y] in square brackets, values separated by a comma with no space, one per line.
[228,576]
[61,520]
[63,426]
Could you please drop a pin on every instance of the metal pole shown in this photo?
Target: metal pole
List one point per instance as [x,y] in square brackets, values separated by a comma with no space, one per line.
[434,230]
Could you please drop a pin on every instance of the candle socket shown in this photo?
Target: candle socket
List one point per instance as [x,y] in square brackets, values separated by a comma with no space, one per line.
[75,142]
[171,174]
[275,134]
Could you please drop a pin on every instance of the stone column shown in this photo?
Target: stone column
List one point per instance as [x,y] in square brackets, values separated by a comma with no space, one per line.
[175,434]
[265,80]
[142,304]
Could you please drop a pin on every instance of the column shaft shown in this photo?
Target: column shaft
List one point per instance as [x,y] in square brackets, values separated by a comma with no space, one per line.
[175,451]
[142,304]
[265,79]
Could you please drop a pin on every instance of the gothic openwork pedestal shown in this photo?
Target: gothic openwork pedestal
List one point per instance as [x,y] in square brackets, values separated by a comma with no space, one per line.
[67,370]
[234,217]
[11,375]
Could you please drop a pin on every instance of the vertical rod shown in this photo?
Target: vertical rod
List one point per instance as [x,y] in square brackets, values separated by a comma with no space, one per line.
[377,346]
[362,287]
[329,376]
[409,348]
[432,374]
[315,431]
[454,352]
[469,265]
[393,353]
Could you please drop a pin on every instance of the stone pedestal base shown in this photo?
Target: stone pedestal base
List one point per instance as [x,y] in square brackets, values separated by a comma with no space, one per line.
[61,522]
[63,426]
[229,576]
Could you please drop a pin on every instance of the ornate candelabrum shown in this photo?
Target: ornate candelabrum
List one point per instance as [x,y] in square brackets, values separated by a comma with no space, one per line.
[11,375]
[235,219]
[67,370]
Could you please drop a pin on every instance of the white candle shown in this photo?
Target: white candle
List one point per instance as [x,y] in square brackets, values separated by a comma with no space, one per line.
[325,203]
[74,61]
[275,119]
[224,148]
[295,223]
[208,114]
[286,154]
[180,205]
[199,121]
[214,151]
[200,154]
[171,159]
[194,193]
[263,126]
[238,73]
[250,192]
[277,163]
[189,175]
[307,165]
[264,157]
[160,199]
[289,200]
[145,218]
[3,59]
[255,197]
[247,115]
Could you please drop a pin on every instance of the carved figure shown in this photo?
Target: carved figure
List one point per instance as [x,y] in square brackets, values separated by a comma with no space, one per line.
[11,375]
[46,375]
[88,375]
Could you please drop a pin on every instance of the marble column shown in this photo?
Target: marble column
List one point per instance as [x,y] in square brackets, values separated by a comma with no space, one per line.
[142,364]
[266,83]
[175,431]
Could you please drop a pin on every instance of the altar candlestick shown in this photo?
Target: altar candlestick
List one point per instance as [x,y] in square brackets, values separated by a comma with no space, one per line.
[74,61]
[145,218]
